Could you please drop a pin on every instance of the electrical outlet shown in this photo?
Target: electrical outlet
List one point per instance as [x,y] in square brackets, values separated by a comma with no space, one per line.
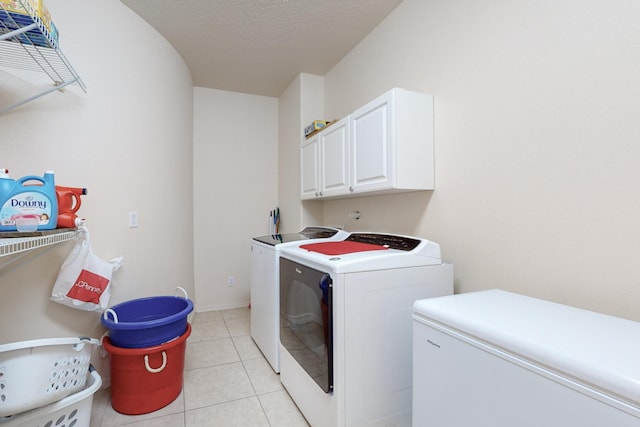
[231,281]
[133,219]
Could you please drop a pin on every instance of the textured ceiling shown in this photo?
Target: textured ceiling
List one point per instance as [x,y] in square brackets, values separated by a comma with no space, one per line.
[259,46]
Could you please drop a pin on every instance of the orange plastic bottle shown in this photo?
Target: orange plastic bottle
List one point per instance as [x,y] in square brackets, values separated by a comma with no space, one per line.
[68,204]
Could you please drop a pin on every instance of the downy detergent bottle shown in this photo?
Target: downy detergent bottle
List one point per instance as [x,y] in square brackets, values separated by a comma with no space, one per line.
[6,183]
[20,201]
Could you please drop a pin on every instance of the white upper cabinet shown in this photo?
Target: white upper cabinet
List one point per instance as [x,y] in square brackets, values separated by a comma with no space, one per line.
[325,162]
[334,152]
[392,143]
[385,146]
[371,142]
[310,168]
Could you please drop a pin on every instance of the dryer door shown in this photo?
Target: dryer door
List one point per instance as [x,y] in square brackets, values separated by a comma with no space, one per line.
[306,321]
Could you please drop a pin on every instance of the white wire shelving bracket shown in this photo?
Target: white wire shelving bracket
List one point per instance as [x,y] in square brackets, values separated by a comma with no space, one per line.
[27,44]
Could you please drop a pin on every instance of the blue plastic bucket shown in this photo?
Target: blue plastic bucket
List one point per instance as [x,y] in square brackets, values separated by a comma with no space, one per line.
[147,322]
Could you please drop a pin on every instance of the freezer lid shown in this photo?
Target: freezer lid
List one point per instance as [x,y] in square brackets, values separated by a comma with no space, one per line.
[595,348]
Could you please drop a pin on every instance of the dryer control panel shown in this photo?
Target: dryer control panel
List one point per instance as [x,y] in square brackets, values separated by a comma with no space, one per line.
[390,241]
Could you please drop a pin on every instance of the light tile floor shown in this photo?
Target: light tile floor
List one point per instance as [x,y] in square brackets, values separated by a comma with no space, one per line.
[227,382]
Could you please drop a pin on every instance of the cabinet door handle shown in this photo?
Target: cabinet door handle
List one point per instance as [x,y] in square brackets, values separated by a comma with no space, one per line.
[351,188]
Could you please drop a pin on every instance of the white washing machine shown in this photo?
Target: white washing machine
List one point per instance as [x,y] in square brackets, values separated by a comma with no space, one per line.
[265,251]
[346,325]
[498,359]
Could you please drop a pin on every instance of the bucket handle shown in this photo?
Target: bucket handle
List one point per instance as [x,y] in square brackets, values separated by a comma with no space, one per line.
[103,352]
[155,370]
[112,312]
[186,296]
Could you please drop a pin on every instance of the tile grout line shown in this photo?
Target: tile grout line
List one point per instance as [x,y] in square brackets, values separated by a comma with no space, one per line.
[247,374]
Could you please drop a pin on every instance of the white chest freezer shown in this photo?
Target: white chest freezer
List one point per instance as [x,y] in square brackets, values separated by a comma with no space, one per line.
[498,359]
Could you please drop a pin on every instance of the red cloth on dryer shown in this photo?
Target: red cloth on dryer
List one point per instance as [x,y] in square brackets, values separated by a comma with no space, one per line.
[341,248]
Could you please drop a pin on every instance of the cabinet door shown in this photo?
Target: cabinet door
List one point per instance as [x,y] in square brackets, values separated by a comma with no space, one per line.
[334,148]
[373,161]
[310,169]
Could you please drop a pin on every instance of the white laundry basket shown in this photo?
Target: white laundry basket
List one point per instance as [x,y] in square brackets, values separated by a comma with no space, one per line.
[39,372]
[72,411]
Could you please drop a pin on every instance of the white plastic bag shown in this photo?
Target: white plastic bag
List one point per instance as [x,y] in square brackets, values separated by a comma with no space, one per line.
[84,279]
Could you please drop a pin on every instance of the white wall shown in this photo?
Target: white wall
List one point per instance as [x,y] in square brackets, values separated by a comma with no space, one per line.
[301,103]
[235,186]
[536,125]
[289,106]
[129,141]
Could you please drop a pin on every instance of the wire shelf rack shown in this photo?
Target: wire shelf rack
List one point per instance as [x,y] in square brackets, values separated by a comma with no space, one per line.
[26,43]
[15,245]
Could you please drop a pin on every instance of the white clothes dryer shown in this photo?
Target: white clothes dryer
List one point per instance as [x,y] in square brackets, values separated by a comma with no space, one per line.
[346,326]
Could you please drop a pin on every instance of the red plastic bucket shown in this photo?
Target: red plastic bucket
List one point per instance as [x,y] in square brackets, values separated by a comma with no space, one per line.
[144,380]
